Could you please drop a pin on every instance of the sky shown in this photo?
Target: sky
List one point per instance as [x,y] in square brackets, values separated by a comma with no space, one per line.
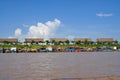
[60,18]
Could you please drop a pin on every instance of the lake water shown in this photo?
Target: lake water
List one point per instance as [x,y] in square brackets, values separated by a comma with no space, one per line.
[50,66]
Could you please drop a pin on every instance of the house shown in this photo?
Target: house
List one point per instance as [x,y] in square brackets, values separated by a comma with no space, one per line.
[104,40]
[34,40]
[58,39]
[83,40]
[8,40]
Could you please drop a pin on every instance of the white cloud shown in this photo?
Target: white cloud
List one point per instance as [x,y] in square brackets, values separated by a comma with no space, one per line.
[24,25]
[44,29]
[104,14]
[41,30]
[18,32]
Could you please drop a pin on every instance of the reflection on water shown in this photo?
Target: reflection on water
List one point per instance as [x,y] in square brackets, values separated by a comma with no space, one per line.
[48,66]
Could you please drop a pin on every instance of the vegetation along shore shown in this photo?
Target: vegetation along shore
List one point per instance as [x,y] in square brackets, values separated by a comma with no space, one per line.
[38,45]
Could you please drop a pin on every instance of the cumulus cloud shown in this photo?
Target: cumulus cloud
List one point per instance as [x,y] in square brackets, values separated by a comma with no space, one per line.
[104,14]
[44,29]
[41,30]
[24,25]
[18,32]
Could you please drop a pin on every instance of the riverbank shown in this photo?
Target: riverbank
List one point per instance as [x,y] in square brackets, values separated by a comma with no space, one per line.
[58,50]
[96,78]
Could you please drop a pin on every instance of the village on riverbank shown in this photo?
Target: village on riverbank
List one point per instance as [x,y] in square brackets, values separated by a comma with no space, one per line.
[38,45]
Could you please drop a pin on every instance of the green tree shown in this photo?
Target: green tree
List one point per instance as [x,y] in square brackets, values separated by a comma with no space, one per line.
[53,42]
[47,42]
[73,42]
[86,41]
[67,42]
[32,42]
[5,42]
[98,43]
[92,42]
[116,42]
[60,42]
[78,42]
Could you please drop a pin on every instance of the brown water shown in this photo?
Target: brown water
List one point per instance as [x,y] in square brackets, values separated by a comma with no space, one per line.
[47,66]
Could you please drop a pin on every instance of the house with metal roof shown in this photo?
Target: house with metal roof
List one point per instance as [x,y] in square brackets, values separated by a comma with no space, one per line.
[83,40]
[58,39]
[105,39]
[8,40]
[34,40]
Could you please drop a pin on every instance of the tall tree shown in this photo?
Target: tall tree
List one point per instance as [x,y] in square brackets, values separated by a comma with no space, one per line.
[86,41]
[73,42]
[32,42]
[116,42]
[60,42]
[53,42]
[67,42]
[47,42]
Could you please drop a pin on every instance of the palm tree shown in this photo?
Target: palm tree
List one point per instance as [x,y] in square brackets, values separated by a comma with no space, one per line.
[116,42]
[47,42]
[5,42]
[53,42]
[86,41]
[98,42]
[78,42]
[32,42]
[67,42]
[92,42]
[60,42]
[73,42]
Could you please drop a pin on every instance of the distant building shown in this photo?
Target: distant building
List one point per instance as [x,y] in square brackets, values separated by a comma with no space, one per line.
[58,39]
[83,39]
[8,40]
[105,39]
[34,40]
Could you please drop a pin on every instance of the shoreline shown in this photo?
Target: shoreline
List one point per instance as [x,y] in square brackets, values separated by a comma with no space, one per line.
[61,52]
[95,78]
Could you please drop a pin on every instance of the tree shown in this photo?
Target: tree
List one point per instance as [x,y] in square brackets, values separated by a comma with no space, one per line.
[116,42]
[67,42]
[47,42]
[32,42]
[60,42]
[5,42]
[92,43]
[73,42]
[98,43]
[77,42]
[53,42]
[86,41]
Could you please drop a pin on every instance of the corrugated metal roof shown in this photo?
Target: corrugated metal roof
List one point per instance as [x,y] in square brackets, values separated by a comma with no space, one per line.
[105,39]
[82,39]
[58,39]
[29,40]
[8,39]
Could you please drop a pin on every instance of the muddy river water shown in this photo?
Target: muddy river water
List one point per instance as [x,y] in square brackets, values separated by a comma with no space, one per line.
[51,66]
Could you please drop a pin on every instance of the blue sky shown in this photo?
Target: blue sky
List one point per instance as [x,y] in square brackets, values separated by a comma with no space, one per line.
[69,18]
